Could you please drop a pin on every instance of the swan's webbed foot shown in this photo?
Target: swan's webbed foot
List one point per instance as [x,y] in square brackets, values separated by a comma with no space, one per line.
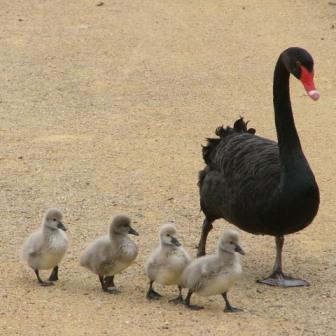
[278,278]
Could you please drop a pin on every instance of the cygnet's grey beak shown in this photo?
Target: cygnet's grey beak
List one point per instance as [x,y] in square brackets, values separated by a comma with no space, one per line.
[175,241]
[239,250]
[61,226]
[132,231]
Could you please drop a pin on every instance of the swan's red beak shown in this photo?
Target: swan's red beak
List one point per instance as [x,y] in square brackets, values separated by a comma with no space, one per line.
[307,79]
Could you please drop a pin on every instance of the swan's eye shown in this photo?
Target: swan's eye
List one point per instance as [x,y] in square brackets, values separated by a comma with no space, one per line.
[54,219]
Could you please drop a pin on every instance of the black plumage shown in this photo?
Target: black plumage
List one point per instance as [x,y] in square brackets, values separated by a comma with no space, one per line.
[261,186]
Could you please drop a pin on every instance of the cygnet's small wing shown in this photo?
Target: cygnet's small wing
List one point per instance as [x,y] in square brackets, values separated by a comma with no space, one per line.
[96,254]
[200,271]
[154,262]
[33,246]
[192,275]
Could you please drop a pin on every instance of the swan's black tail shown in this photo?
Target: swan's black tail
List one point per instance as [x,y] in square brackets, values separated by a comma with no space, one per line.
[239,126]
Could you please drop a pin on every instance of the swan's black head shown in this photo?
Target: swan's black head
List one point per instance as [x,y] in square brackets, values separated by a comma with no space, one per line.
[301,65]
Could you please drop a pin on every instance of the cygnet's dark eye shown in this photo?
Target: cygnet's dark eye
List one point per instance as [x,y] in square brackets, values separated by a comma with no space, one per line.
[231,242]
[54,219]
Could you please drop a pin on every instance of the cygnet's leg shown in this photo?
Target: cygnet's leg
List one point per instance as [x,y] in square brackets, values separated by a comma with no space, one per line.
[278,278]
[41,282]
[206,228]
[187,302]
[106,288]
[179,299]
[228,308]
[109,283]
[151,294]
[54,274]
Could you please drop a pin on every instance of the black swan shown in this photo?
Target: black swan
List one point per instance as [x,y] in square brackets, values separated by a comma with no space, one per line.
[261,186]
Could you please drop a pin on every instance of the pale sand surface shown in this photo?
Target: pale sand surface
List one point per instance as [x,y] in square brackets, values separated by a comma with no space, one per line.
[104,110]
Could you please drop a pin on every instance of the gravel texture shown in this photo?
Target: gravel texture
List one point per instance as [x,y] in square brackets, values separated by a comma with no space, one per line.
[104,107]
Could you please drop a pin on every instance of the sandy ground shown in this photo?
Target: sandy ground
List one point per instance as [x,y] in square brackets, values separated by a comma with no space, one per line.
[104,110]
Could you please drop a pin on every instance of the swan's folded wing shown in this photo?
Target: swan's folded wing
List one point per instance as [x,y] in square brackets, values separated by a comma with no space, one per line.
[243,173]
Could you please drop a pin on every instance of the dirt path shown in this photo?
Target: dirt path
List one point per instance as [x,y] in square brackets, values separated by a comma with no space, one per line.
[103,110]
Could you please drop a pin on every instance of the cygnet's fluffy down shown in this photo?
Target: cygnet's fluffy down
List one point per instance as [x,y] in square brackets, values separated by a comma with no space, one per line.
[45,248]
[215,274]
[112,253]
[166,263]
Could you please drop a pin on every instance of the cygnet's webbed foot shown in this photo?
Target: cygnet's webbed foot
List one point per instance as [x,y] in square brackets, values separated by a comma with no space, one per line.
[191,306]
[231,309]
[187,303]
[105,287]
[228,308]
[54,274]
[277,278]
[111,290]
[177,300]
[41,282]
[46,283]
[152,295]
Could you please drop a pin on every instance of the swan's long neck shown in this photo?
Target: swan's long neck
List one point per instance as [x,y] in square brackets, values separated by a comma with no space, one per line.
[288,139]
